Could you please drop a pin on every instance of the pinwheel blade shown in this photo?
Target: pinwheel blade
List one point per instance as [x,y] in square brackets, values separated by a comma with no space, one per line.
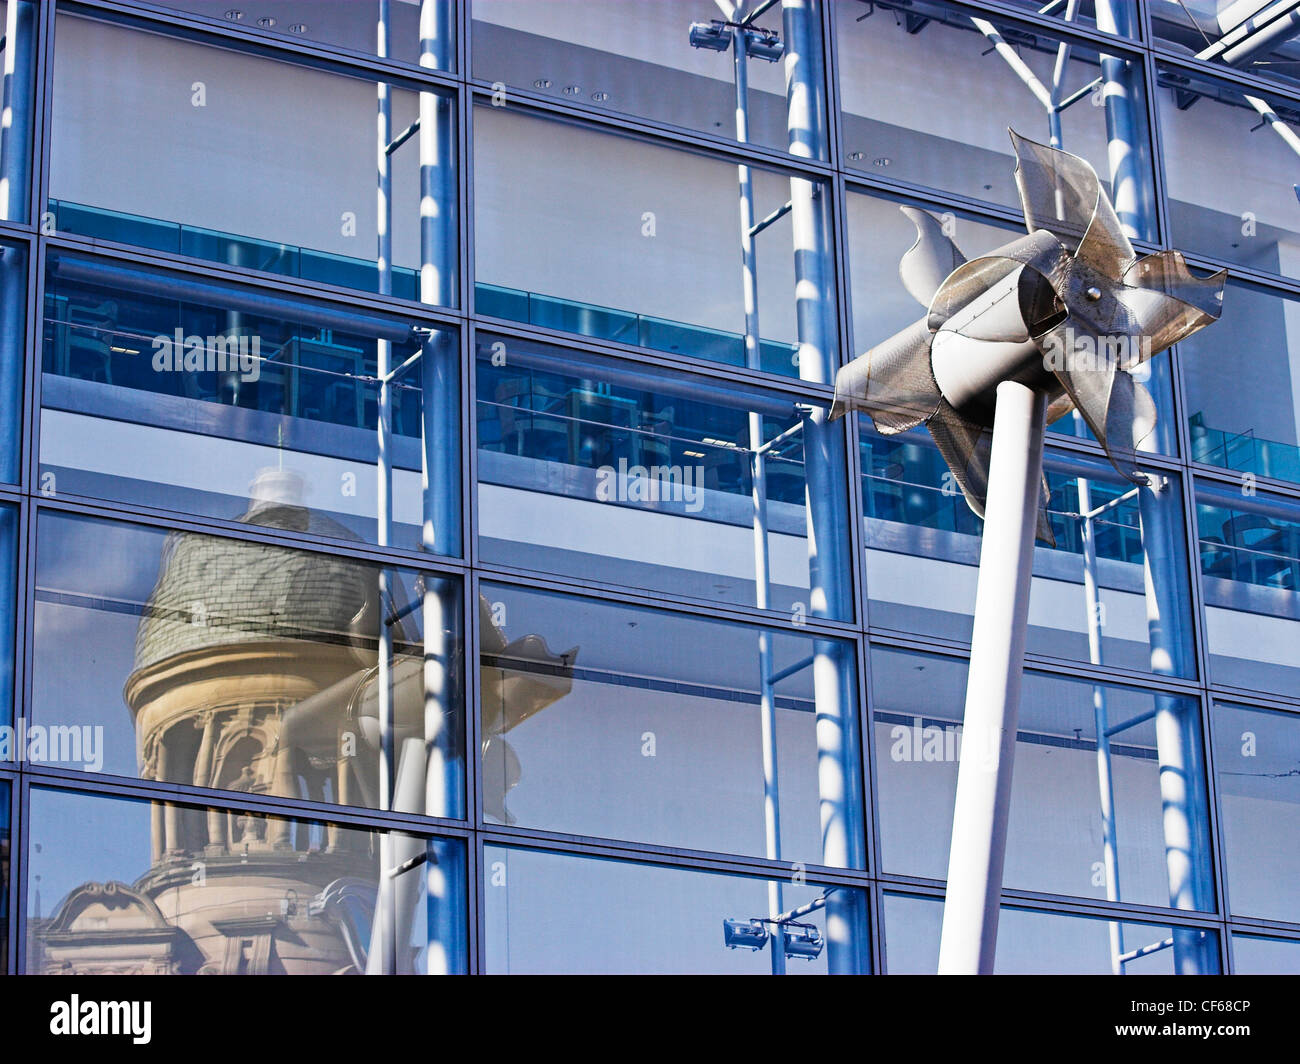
[892,382]
[928,262]
[1061,193]
[1090,366]
[1168,301]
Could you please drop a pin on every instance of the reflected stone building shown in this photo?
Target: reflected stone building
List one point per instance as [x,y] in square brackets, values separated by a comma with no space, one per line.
[256,671]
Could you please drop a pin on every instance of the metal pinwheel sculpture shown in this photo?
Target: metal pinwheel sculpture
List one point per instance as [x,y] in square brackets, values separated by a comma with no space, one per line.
[1069,309]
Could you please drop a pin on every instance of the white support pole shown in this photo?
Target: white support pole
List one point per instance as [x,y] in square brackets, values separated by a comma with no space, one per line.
[979,827]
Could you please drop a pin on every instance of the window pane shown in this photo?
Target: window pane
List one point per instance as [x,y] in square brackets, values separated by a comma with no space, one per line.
[1039,943]
[1250,574]
[926,102]
[630,732]
[564,914]
[611,238]
[267,166]
[641,59]
[923,558]
[1259,807]
[1061,839]
[245,666]
[1252,955]
[117,886]
[645,478]
[879,236]
[1259,41]
[1117,16]
[6,836]
[1242,213]
[167,392]
[1254,429]
[350,24]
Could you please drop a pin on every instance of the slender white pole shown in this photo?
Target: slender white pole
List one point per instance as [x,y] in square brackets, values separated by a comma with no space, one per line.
[979,826]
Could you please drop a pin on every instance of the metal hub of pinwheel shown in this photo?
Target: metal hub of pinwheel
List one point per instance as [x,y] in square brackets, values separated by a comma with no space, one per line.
[1069,310]
[1052,322]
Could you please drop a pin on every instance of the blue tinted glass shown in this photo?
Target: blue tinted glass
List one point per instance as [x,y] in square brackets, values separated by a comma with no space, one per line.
[560,913]
[607,720]
[646,478]
[1249,547]
[923,556]
[663,61]
[1032,942]
[1109,794]
[1253,955]
[172,393]
[1259,809]
[302,141]
[243,665]
[125,887]
[640,244]
[1250,430]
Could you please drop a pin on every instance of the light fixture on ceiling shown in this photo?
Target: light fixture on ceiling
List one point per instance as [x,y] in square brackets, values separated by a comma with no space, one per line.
[542,83]
[266,22]
[298,27]
[234,14]
[857,156]
[882,161]
[600,97]
[572,90]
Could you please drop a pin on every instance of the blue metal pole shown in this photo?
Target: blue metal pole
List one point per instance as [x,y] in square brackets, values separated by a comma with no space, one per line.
[13,322]
[440,449]
[826,474]
[16,128]
[1181,768]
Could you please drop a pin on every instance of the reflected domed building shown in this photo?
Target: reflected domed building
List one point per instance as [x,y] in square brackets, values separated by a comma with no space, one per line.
[256,669]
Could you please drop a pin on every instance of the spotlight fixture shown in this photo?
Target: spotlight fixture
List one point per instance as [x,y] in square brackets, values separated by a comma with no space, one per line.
[542,83]
[882,162]
[234,14]
[744,934]
[298,27]
[803,941]
[715,35]
[857,156]
[600,97]
[764,44]
[572,90]
[266,22]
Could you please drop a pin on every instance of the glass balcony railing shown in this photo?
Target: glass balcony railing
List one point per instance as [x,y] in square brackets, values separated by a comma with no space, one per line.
[902,482]
[286,260]
[533,308]
[625,326]
[1244,452]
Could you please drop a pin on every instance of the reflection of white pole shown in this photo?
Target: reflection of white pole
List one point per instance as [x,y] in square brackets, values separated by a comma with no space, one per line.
[383,957]
[762,572]
[979,827]
[1100,715]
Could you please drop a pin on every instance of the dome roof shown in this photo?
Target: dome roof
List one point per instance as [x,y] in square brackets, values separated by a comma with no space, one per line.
[213,591]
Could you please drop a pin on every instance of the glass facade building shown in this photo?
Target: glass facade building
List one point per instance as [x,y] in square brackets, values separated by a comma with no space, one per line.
[425,548]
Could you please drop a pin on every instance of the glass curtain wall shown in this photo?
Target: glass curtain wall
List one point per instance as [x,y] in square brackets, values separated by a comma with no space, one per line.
[347,342]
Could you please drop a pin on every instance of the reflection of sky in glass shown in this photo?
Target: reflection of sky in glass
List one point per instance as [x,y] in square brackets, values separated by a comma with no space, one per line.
[77,838]
[1029,942]
[113,562]
[557,913]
